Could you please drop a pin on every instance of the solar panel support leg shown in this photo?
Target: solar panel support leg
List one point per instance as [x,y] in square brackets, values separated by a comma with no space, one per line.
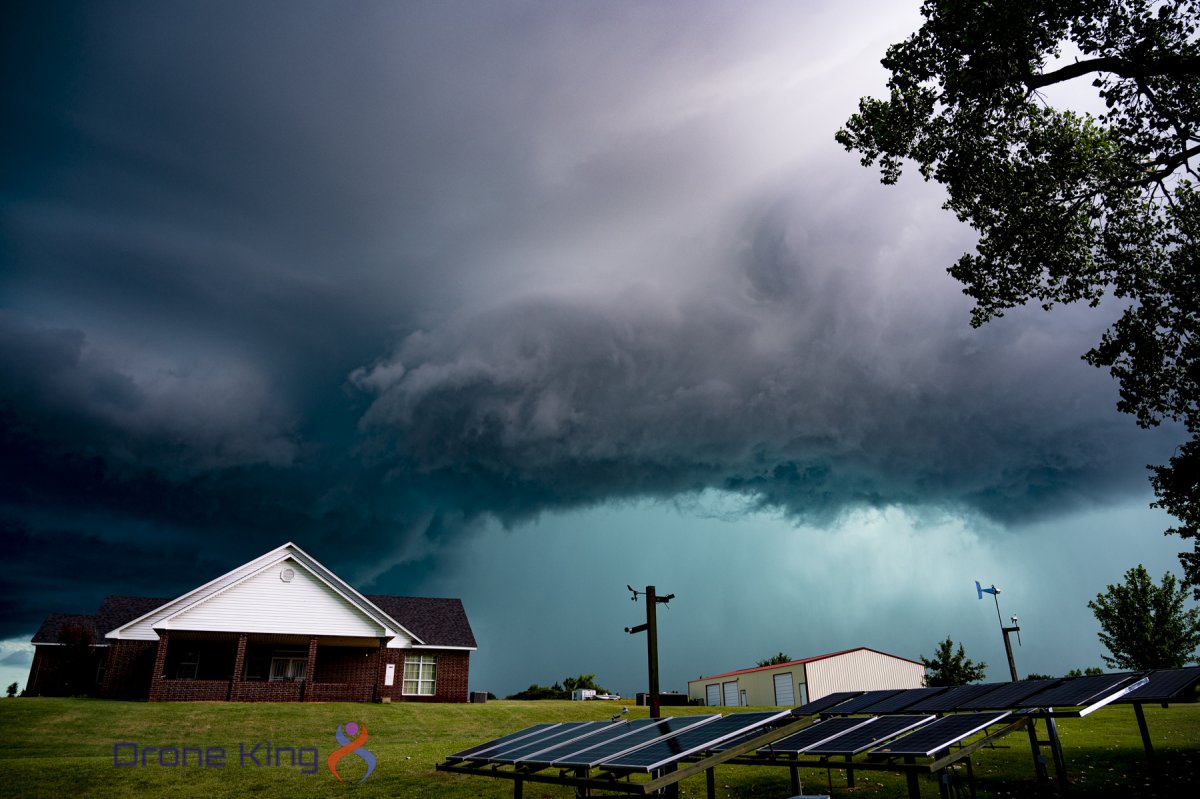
[795,774]
[1039,762]
[518,788]
[910,776]
[1060,763]
[1144,730]
[849,772]
[710,783]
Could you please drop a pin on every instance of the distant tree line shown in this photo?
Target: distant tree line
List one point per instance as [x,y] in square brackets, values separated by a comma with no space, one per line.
[561,690]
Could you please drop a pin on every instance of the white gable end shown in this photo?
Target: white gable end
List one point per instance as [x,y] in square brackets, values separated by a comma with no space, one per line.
[284,597]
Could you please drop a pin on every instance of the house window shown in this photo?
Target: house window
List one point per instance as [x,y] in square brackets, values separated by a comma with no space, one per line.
[420,674]
[189,664]
[288,668]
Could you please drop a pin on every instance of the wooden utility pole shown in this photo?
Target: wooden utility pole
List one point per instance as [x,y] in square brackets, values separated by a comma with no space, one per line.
[651,630]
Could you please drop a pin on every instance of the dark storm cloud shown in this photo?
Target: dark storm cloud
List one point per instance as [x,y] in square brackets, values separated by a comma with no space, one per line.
[360,276]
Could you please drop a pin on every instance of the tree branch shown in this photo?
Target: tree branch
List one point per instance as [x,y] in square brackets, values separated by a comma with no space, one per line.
[1170,66]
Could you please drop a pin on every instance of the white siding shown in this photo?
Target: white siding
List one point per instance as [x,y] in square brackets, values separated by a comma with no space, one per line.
[861,670]
[265,603]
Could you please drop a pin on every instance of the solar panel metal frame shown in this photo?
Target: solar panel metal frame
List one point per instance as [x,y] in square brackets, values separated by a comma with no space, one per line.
[616,730]
[512,737]
[821,705]
[641,763]
[1165,685]
[1007,695]
[953,698]
[902,700]
[815,735]
[596,759]
[858,703]
[889,727]
[1082,691]
[512,753]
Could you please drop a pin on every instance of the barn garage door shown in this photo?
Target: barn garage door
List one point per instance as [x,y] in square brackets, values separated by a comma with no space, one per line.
[784,696]
[712,695]
[731,694]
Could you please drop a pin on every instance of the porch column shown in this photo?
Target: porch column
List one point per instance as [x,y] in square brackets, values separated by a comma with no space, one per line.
[310,668]
[239,666]
[378,689]
[160,665]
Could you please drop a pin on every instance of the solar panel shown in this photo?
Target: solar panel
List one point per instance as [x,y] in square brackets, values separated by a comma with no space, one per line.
[1166,685]
[577,739]
[660,753]
[902,700]
[867,736]
[1079,691]
[595,755]
[512,752]
[817,734]
[952,699]
[1006,695]
[611,732]
[820,705]
[515,736]
[857,704]
[941,734]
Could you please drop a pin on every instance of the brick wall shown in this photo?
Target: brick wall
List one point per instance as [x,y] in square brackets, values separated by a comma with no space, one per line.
[453,671]
[266,691]
[130,665]
[192,691]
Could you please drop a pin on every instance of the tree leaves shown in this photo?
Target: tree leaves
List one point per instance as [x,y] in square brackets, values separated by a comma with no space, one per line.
[1145,626]
[1069,207]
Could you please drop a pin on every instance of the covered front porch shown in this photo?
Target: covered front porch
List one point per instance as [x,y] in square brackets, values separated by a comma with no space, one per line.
[266,667]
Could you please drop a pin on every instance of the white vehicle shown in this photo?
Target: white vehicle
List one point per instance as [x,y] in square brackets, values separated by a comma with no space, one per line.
[580,694]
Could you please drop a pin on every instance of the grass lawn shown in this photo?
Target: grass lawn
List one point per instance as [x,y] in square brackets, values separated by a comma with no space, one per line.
[64,747]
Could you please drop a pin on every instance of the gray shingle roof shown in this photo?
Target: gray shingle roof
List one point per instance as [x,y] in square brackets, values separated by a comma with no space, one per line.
[114,611]
[437,622]
[51,628]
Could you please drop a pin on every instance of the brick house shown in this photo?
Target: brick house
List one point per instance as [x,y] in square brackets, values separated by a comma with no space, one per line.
[281,628]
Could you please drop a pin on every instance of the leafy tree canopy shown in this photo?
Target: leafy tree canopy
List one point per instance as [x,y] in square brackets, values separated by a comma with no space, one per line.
[775,660]
[948,667]
[1146,626]
[1068,206]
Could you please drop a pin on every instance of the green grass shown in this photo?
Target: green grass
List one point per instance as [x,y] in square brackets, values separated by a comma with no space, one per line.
[64,747]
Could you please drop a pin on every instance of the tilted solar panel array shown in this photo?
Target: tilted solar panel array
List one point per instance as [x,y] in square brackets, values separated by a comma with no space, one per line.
[1166,685]
[594,756]
[825,703]
[676,747]
[609,734]
[886,723]
[1080,691]
[817,734]
[941,734]
[865,737]
[515,736]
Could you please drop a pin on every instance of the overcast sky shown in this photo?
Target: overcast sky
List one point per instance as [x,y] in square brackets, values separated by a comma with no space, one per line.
[520,303]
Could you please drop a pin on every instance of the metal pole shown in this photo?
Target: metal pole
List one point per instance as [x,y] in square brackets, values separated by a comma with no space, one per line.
[652,649]
[1012,664]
